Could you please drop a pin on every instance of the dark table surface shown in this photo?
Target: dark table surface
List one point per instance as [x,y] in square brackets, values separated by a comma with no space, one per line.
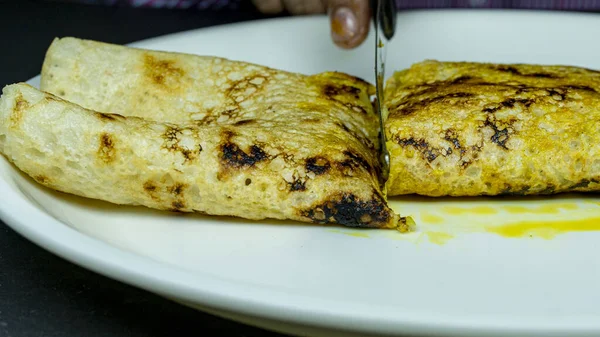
[42,295]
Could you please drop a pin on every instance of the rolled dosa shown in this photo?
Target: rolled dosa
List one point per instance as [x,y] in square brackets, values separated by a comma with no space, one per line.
[255,170]
[468,129]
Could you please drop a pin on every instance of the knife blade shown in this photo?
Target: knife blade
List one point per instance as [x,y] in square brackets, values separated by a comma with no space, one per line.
[384,20]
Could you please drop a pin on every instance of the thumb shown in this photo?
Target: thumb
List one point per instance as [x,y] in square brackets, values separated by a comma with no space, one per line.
[350,21]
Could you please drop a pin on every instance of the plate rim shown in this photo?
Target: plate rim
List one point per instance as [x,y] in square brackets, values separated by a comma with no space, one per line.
[231,296]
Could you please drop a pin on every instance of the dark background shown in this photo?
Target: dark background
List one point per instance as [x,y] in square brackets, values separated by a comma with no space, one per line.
[42,295]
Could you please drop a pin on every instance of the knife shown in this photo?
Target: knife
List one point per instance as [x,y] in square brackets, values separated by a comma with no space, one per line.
[384,20]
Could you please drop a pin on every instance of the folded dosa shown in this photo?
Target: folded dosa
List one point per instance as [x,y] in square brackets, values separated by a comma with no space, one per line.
[467,129]
[192,133]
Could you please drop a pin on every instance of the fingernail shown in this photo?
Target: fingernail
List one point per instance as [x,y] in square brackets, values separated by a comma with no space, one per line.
[344,25]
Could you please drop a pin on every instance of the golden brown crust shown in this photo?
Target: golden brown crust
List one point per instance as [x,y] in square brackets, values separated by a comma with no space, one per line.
[467,129]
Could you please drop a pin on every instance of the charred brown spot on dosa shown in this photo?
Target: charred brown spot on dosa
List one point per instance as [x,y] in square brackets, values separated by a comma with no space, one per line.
[420,94]
[161,72]
[353,161]
[297,185]
[523,190]
[191,154]
[349,210]
[407,107]
[584,183]
[334,90]
[509,103]
[317,165]
[421,90]
[560,91]
[244,122]
[177,189]
[558,94]
[42,179]
[514,71]
[502,130]
[462,79]
[108,117]
[151,189]
[50,98]
[241,90]
[452,137]
[106,148]
[177,205]
[579,88]
[171,142]
[232,156]
[311,120]
[171,138]
[421,145]
[20,105]
[344,94]
[347,93]
[510,190]
[466,154]
[550,189]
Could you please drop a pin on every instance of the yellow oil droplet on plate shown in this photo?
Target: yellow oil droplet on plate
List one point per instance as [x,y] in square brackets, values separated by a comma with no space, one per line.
[431,219]
[438,238]
[518,209]
[482,210]
[544,209]
[355,234]
[545,229]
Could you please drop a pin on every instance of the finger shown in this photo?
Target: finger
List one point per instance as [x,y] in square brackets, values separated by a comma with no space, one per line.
[298,7]
[350,20]
[269,6]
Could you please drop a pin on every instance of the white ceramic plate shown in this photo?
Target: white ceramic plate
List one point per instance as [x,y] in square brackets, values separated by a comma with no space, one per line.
[476,267]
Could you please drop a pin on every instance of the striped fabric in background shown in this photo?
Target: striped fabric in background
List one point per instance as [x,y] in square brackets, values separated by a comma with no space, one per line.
[581,5]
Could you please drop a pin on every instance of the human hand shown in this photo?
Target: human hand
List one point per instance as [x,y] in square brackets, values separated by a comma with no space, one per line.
[349,19]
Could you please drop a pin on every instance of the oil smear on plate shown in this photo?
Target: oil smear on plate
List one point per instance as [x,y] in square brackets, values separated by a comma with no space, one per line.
[441,219]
